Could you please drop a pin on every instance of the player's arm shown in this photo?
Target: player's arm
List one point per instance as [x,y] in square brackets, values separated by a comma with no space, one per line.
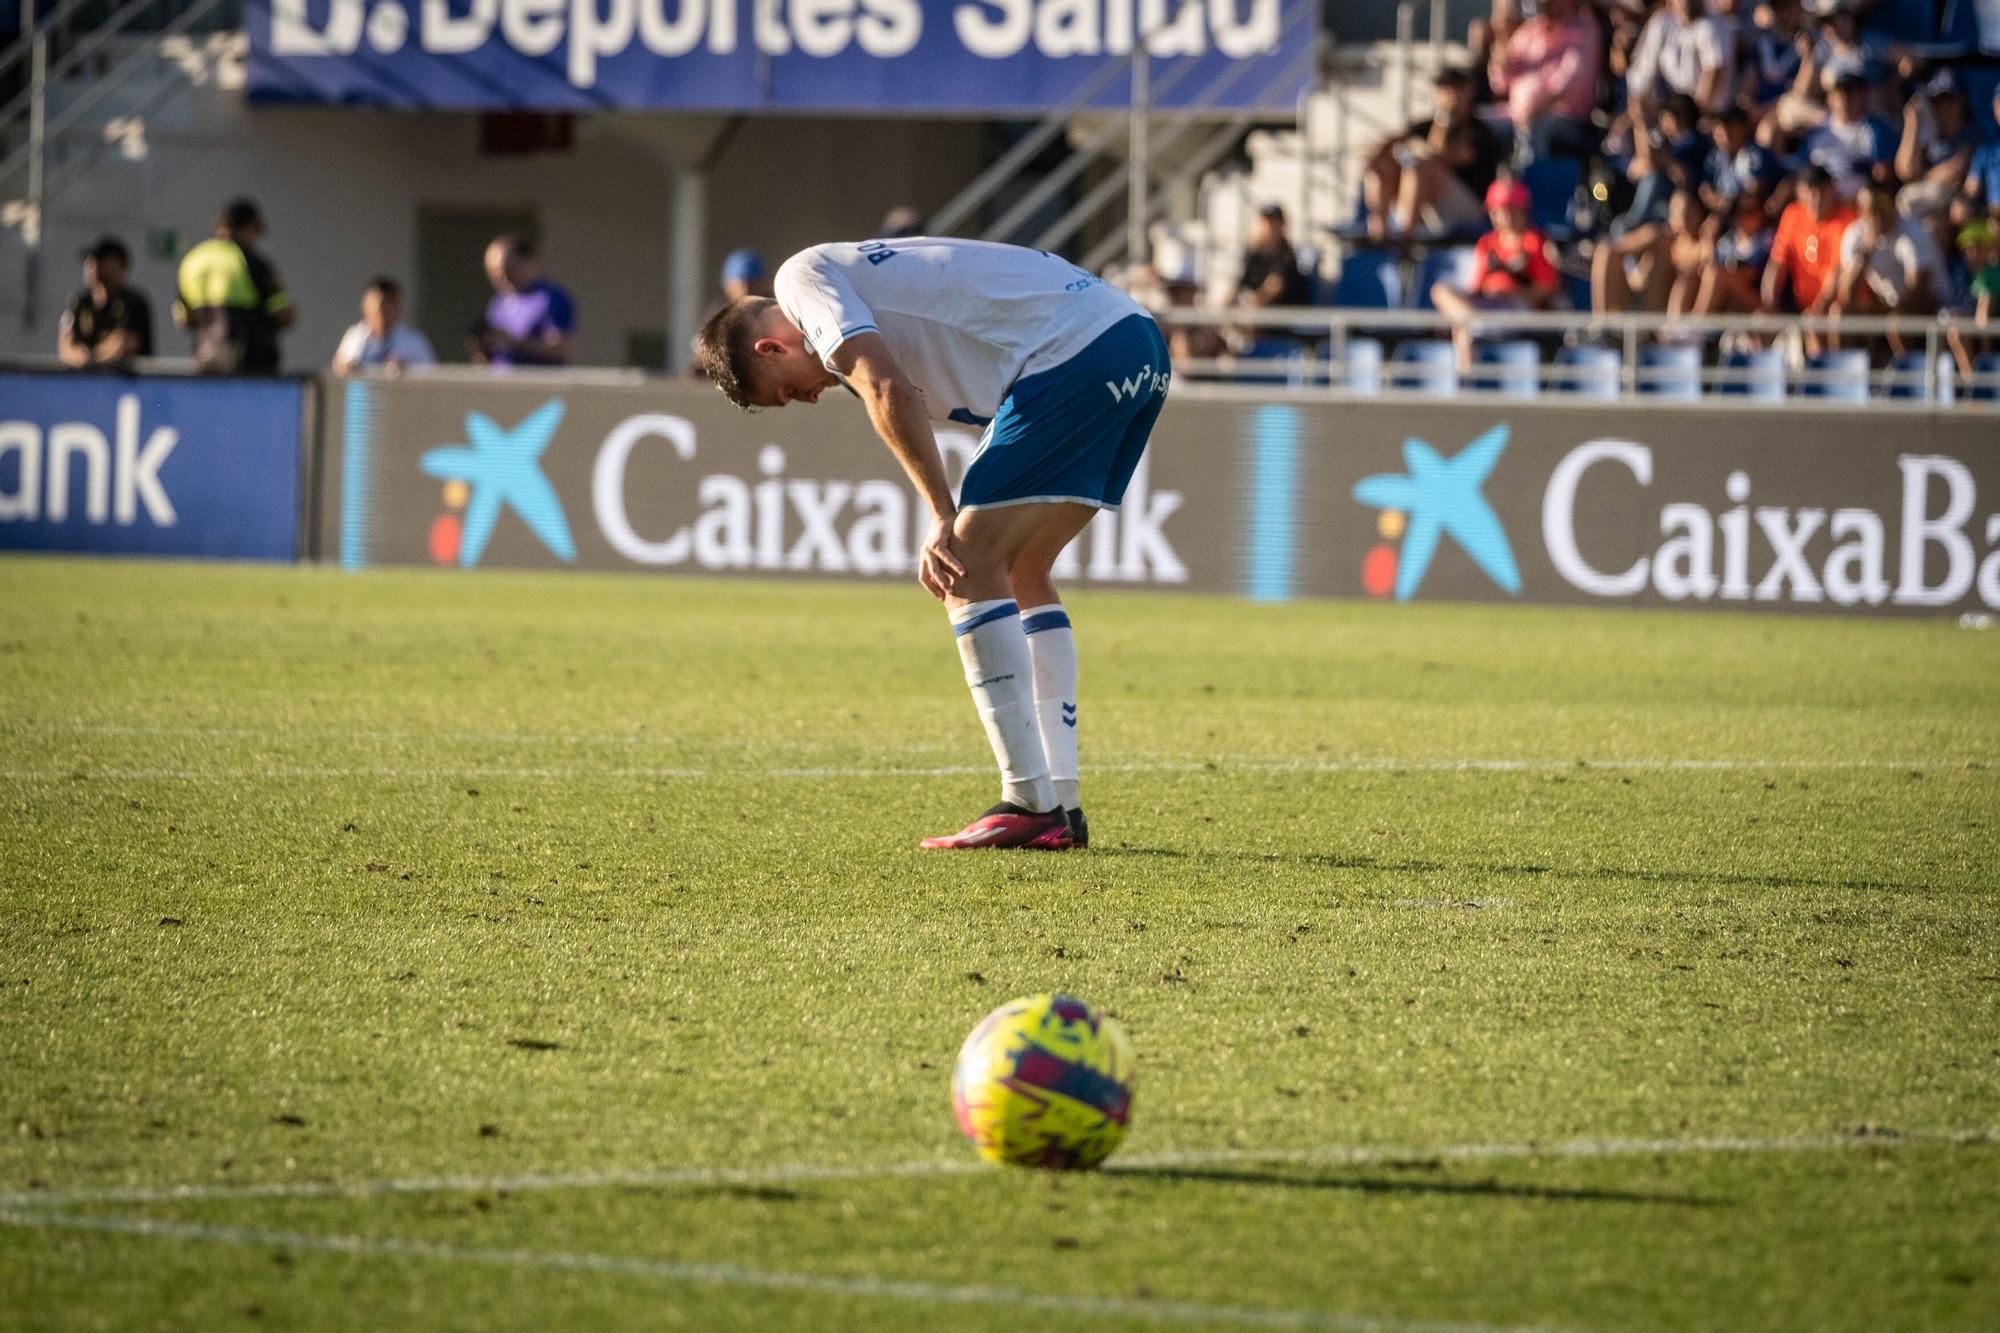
[896,410]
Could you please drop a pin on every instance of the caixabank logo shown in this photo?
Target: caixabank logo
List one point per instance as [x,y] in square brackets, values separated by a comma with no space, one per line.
[434,474]
[1434,498]
[497,468]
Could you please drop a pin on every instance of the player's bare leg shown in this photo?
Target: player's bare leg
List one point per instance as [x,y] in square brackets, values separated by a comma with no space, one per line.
[1052,648]
[986,620]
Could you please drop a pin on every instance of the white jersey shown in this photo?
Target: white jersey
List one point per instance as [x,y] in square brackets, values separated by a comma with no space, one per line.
[963,319]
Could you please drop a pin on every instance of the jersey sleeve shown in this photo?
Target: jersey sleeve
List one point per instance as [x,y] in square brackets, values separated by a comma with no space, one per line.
[816,295]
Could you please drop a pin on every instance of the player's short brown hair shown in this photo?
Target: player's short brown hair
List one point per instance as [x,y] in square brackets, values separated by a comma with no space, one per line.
[726,346]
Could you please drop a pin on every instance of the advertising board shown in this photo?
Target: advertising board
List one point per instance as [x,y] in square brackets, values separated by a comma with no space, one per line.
[1272,499]
[150,466]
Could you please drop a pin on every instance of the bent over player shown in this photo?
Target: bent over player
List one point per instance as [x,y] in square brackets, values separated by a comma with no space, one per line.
[1065,374]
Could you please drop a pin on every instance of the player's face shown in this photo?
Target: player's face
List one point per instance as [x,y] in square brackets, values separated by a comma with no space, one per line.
[786,371]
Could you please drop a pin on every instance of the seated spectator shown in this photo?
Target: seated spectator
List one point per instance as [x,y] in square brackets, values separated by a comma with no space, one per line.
[1189,342]
[1982,174]
[1652,268]
[1884,268]
[1805,254]
[1936,149]
[107,323]
[1435,171]
[1547,70]
[231,299]
[1835,49]
[530,321]
[1850,143]
[1775,45]
[1737,164]
[381,341]
[1271,273]
[1735,263]
[1510,267]
[1682,50]
[1977,247]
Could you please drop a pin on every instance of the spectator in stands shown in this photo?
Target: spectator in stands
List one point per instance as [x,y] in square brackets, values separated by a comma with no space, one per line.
[381,341]
[1833,50]
[1982,176]
[1885,268]
[1935,153]
[230,297]
[1435,172]
[107,323]
[901,221]
[1189,342]
[530,321]
[1653,267]
[1805,254]
[1682,49]
[1271,273]
[743,274]
[1850,143]
[1976,246]
[1547,70]
[1737,164]
[1510,268]
[1775,46]
[1734,270]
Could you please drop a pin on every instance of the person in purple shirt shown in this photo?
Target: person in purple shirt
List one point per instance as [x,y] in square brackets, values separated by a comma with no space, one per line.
[530,321]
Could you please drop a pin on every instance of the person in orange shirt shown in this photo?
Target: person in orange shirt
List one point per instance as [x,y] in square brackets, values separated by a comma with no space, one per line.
[1806,254]
[1510,267]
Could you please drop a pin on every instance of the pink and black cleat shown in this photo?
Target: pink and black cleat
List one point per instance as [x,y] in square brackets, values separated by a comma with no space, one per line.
[1007,825]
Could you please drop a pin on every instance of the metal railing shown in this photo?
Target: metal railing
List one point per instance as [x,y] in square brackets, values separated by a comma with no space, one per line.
[1149,84]
[1658,358]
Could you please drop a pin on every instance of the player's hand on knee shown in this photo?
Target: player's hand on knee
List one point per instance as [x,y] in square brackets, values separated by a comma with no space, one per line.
[938,567]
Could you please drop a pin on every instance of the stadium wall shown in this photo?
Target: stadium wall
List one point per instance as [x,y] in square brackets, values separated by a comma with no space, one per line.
[346,192]
[1266,496]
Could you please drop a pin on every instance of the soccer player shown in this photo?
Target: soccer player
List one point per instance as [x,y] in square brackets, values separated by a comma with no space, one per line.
[1065,374]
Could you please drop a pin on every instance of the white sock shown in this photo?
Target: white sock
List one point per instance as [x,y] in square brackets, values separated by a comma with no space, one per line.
[1053,648]
[998,669]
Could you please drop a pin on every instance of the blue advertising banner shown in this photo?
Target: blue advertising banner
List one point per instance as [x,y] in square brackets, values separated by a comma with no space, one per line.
[992,57]
[136,466]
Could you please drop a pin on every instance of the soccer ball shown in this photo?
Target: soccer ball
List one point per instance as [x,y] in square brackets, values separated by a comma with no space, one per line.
[1044,1081]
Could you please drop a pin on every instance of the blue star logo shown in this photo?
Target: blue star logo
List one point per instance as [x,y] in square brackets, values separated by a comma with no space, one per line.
[1442,495]
[503,467]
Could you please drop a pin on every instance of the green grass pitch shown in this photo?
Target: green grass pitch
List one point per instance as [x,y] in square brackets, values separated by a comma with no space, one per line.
[410,950]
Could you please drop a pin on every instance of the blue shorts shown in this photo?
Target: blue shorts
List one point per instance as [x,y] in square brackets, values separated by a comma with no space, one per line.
[1075,431]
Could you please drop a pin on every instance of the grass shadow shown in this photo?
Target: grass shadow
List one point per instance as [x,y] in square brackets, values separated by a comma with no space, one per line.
[1384,1185]
[1350,861]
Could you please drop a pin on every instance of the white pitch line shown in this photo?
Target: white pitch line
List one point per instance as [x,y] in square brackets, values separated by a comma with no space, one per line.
[1330,1155]
[1222,766]
[735,1275]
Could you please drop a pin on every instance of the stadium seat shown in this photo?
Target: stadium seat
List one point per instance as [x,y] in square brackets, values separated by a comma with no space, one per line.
[1758,374]
[1511,366]
[1369,280]
[1441,263]
[1906,376]
[1670,370]
[1424,365]
[1841,373]
[1551,182]
[1590,371]
[1363,372]
[1984,386]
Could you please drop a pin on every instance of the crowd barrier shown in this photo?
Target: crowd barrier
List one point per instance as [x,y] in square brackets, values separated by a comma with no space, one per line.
[1245,492]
